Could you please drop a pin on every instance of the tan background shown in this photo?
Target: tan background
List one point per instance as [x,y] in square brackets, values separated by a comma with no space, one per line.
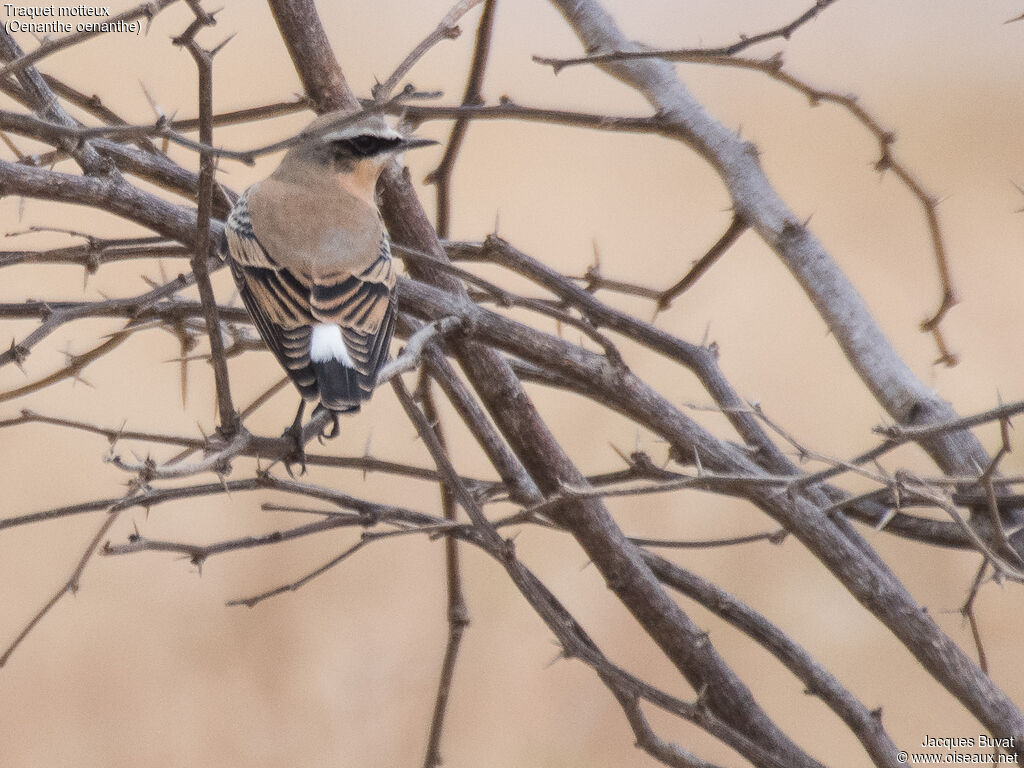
[146,667]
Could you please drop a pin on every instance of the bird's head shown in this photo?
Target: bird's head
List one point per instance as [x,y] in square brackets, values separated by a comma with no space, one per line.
[357,151]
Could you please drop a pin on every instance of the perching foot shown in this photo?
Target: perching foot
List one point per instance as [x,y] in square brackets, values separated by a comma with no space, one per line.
[297,455]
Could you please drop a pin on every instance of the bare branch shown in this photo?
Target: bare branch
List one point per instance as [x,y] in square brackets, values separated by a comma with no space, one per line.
[229,422]
[68,587]
[447,29]
[458,611]
[745,41]
[441,176]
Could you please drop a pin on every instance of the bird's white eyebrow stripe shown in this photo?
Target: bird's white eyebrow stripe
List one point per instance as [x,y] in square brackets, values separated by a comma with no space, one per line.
[348,132]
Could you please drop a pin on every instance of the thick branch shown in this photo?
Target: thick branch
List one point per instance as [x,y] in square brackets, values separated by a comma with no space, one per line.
[907,399]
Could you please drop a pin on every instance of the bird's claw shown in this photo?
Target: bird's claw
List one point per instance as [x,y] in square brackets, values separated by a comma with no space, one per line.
[329,432]
[297,454]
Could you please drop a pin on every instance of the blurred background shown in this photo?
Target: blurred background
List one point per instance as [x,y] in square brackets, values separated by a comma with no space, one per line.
[145,666]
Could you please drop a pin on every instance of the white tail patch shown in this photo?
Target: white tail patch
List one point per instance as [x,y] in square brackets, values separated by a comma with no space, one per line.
[326,344]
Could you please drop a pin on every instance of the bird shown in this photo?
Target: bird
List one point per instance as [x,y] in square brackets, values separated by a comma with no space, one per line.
[311,258]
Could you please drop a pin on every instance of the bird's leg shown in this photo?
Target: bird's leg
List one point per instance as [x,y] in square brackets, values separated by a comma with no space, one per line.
[335,427]
[298,453]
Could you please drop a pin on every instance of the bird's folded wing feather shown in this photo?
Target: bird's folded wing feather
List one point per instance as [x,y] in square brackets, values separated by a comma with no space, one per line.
[362,303]
[277,299]
[284,304]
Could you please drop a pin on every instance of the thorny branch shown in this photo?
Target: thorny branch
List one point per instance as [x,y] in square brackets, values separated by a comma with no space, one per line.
[447,29]
[457,609]
[204,64]
[672,54]
[49,131]
[441,177]
[451,311]
[887,161]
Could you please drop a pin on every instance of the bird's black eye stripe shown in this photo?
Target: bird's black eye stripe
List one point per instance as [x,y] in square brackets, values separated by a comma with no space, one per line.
[368,145]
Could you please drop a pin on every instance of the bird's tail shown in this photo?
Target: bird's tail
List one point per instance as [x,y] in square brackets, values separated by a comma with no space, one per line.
[338,385]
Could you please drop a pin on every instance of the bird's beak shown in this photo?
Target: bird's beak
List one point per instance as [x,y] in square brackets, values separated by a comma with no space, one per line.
[413,142]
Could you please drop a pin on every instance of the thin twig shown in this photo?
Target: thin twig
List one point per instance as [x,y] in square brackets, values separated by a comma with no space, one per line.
[229,421]
[48,130]
[458,611]
[775,537]
[447,29]
[736,228]
[247,115]
[441,176]
[968,612]
[69,586]
[672,54]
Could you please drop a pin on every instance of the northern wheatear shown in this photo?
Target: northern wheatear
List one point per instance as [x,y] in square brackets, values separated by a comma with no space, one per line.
[312,261]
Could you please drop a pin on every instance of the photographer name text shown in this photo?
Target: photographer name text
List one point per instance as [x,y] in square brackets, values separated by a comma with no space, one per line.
[959,742]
